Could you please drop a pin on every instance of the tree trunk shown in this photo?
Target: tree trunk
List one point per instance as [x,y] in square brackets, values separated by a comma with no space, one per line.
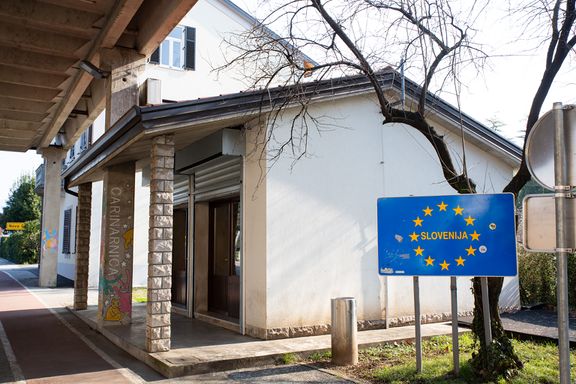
[499,358]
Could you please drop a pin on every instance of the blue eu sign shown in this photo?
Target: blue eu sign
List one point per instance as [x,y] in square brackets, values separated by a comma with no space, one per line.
[458,235]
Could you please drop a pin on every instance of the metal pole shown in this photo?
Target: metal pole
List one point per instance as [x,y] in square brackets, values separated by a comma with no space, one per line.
[455,345]
[562,242]
[344,331]
[417,325]
[486,311]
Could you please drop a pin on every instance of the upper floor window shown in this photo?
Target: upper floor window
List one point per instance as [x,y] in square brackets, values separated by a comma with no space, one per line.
[178,50]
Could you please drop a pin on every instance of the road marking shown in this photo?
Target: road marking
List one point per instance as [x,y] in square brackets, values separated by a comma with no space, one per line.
[127,373]
[14,366]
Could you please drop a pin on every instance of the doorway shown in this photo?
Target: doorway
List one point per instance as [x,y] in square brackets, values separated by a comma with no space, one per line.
[180,257]
[224,259]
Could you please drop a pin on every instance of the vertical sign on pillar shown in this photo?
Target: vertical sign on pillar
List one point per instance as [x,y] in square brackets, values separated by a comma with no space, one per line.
[115,290]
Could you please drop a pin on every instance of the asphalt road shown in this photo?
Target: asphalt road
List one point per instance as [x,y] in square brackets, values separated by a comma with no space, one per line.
[44,343]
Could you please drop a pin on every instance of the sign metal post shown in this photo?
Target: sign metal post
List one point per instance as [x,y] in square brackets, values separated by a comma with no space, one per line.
[486,310]
[562,192]
[417,324]
[455,344]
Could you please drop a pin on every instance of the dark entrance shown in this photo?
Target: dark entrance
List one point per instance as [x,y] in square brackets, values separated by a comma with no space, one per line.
[224,259]
[180,257]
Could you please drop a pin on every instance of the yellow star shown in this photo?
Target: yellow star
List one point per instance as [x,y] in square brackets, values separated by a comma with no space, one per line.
[419,251]
[418,221]
[427,211]
[471,251]
[444,265]
[459,261]
[429,261]
[469,220]
[458,211]
[414,236]
[475,236]
[442,206]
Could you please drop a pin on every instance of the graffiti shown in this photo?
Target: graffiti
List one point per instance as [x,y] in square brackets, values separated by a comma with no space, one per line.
[50,240]
[128,238]
[113,312]
[116,274]
[118,292]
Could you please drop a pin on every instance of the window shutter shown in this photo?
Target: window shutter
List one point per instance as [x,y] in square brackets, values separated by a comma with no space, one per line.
[190,60]
[155,57]
[67,229]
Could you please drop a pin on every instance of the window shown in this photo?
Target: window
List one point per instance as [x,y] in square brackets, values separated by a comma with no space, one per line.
[178,50]
[67,231]
[85,139]
[72,152]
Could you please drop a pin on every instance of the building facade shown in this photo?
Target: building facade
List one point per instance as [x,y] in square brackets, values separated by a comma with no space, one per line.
[235,215]
[260,241]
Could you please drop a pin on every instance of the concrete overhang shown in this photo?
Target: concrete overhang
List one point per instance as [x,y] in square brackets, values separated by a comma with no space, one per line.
[43,92]
[130,138]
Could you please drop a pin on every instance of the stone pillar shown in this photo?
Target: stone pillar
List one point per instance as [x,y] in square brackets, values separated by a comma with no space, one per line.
[125,66]
[82,246]
[115,290]
[160,244]
[51,215]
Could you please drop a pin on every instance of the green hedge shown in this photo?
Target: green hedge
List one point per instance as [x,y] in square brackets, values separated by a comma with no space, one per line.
[537,273]
[22,247]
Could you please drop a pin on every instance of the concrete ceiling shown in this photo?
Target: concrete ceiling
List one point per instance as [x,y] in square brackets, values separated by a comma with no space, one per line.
[42,90]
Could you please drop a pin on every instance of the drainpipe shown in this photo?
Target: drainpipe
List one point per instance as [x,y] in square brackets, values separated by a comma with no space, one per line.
[68,191]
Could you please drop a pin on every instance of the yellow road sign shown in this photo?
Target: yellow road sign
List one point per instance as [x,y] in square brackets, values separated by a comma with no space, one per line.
[14,226]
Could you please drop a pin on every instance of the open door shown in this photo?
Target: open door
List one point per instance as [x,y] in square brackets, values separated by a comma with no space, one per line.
[180,257]
[224,259]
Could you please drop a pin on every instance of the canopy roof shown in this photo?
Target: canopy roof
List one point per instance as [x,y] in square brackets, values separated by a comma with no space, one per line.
[42,89]
[130,138]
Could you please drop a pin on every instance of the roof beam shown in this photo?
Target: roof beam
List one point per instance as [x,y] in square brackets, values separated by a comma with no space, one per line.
[156,19]
[122,13]
[15,75]
[26,92]
[118,22]
[22,37]
[50,16]
[22,116]
[8,104]
[73,127]
[37,61]
[99,7]
[7,124]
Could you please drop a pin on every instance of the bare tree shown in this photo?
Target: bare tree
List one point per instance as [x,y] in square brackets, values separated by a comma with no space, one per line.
[428,39]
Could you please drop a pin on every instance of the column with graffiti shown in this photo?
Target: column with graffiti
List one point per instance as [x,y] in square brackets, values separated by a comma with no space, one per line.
[116,254]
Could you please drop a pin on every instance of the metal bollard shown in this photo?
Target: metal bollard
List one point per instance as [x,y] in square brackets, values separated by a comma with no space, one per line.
[344,331]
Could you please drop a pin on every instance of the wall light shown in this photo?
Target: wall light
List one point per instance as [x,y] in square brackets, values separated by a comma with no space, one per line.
[93,70]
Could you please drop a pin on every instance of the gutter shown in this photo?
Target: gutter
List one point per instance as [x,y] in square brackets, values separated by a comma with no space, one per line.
[105,144]
[149,121]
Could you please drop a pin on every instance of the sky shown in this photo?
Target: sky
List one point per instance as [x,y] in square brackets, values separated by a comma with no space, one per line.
[503,92]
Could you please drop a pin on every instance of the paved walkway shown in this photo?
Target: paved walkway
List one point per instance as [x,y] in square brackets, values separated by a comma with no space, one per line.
[539,323]
[42,342]
[40,347]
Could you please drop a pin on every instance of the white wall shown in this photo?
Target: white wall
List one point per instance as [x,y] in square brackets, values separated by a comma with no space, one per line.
[213,22]
[67,262]
[321,215]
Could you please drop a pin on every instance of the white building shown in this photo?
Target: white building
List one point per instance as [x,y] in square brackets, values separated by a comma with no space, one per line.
[182,68]
[261,246]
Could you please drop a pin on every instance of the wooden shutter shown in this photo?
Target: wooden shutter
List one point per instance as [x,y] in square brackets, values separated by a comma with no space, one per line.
[190,59]
[67,230]
[155,57]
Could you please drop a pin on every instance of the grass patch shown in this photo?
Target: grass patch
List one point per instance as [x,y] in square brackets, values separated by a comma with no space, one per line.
[396,363]
[289,358]
[139,295]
